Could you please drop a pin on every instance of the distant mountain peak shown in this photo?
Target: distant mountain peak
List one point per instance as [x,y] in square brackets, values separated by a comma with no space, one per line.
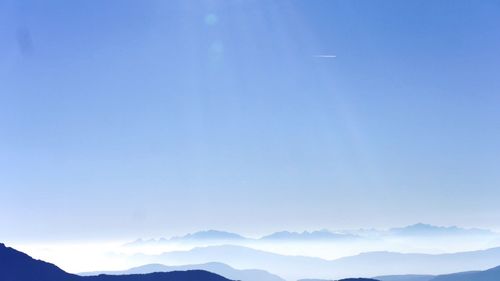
[423,229]
[202,236]
[307,235]
[210,235]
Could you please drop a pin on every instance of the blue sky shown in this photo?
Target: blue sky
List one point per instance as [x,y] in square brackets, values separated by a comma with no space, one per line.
[150,118]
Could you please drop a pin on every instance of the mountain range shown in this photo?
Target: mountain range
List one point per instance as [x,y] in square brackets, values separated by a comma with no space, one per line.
[18,266]
[346,279]
[419,230]
[492,274]
[200,236]
[306,235]
[406,277]
[364,265]
[218,268]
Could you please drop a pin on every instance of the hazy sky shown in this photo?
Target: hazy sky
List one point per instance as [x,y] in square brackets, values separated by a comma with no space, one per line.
[152,118]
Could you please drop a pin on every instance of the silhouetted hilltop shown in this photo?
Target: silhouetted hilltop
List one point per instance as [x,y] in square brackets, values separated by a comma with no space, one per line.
[492,274]
[406,277]
[18,266]
[299,267]
[215,267]
[190,275]
[358,279]
[346,279]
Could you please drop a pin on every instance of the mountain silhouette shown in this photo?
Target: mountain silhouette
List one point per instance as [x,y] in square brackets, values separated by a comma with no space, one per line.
[299,267]
[190,275]
[217,268]
[492,274]
[306,235]
[406,277]
[358,279]
[210,235]
[421,229]
[206,236]
[18,266]
[346,279]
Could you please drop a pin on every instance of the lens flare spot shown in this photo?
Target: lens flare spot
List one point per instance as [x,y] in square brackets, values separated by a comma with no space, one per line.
[211,19]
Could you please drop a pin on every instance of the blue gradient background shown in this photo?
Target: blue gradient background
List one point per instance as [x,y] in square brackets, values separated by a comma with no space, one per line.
[135,118]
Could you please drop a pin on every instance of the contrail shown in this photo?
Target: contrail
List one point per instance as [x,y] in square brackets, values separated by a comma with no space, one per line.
[326,56]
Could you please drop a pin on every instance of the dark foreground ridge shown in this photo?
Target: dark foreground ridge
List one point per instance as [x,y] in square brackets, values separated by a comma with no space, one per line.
[18,266]
[492,274]
[358,279]
[346,279]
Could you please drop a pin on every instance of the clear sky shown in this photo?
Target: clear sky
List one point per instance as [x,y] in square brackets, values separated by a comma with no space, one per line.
[149,118]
